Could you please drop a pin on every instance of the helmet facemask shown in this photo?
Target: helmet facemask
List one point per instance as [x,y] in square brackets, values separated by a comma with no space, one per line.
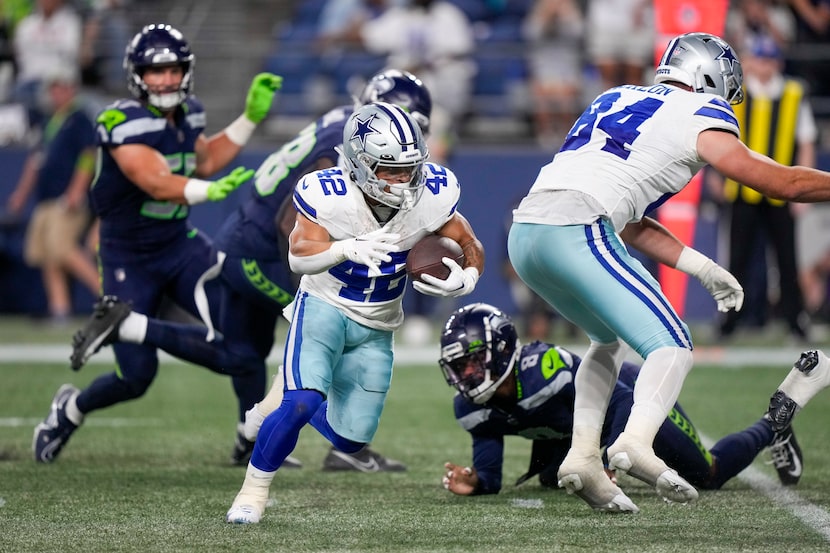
[158,46]
[479,349]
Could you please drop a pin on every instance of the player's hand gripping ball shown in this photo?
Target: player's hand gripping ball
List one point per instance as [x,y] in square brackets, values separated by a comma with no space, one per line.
[426,255]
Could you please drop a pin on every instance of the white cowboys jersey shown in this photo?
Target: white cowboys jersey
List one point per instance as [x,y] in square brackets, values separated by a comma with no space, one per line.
[631,150]
[333,201]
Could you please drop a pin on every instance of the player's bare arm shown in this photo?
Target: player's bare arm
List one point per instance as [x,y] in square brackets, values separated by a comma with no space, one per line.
[460,230]
[307,237]
[726,153]
[654,240]
[145,167]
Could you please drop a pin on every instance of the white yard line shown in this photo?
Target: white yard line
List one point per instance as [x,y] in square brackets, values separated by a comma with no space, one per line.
[813,516]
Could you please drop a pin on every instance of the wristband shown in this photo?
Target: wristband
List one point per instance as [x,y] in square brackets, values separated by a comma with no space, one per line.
[473,272]
[692,262]
[240,131]
[196,191]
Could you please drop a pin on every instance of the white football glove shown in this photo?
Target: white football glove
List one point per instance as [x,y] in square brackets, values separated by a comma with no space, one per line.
[724,287]
[460,282]
[368,249]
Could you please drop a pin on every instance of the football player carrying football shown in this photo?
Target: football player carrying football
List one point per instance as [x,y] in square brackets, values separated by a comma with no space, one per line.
[354,227]
[149,148]
[254,281]
[631,150]
[509,389]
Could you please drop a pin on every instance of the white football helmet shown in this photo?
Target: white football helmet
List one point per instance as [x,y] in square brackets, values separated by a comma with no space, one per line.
[384,135]
[704,62]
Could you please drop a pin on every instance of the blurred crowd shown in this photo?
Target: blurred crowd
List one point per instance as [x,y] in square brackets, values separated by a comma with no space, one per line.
[537,62]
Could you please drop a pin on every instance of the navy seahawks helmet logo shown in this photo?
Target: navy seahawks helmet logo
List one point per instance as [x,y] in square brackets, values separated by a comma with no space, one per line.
[364,129]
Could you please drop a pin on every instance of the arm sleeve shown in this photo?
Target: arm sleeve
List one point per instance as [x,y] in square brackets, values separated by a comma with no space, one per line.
[488,458]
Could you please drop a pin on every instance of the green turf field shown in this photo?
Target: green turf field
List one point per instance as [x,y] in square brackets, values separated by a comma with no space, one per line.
[151,476]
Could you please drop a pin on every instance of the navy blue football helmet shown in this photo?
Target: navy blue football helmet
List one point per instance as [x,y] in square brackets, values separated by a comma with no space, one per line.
[158,45]
[403,89]
[479,348]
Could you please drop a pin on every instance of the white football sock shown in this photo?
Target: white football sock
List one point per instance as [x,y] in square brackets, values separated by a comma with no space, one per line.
[72,412]
[656,391]
[594,383]
[133,329]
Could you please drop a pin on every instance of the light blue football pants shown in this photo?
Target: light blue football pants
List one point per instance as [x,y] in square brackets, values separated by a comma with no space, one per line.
[351,364]
[588,276]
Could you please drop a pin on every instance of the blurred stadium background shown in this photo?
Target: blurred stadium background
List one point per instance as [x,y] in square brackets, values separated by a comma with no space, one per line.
[496,156]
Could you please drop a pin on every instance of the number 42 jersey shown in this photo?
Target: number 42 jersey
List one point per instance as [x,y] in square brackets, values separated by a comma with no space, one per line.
[332,200]
[631,150]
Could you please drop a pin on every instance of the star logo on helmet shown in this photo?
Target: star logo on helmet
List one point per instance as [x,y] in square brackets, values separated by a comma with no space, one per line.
[364,129]
[729,56]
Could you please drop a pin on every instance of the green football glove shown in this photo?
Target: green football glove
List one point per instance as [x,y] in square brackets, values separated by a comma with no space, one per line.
[219,189]
[261,96]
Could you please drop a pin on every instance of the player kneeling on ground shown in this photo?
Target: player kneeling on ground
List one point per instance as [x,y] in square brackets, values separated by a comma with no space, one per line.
[506,389]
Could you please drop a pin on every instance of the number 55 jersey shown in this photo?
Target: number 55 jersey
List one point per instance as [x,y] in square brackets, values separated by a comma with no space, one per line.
[631,150]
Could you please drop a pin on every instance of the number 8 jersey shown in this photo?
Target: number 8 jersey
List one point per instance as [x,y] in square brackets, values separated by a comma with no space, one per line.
[332,200]
[631,150]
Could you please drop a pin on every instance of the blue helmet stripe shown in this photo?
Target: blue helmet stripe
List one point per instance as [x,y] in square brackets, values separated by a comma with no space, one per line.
[402,124]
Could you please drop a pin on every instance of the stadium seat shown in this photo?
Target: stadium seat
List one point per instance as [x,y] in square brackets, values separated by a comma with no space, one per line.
[354,64]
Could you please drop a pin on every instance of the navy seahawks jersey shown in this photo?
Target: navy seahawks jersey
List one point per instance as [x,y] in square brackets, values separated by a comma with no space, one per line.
[543,409]
[251,230]
[128,214]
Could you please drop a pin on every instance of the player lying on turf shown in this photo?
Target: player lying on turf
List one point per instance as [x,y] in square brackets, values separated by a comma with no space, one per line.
[506,389]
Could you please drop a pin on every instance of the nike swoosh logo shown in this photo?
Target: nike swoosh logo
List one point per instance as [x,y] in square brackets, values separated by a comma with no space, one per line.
[364,466]
[796,469]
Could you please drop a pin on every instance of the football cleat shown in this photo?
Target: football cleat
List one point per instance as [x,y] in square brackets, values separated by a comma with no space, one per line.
[243,514]
[243,448]
[809,375]
[586,478]
[54,432]
[249,503]
[786,457]
[365,460]
[100,330]
[640,462]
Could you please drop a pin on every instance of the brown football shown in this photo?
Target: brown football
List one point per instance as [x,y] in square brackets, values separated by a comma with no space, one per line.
[425,256]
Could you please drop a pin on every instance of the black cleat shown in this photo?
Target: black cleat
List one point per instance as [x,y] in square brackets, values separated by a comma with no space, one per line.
[806,378]
[242,450]
[781,411]
[365,460]
[53,433]
[99,331]
[786,457]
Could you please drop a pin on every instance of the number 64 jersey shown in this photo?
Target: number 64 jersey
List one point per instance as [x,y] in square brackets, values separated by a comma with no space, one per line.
[630,151]
[332,200]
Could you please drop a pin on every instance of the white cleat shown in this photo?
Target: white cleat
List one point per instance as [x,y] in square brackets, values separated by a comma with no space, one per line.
[249,504]
[586,478]
[253,420]
[243,514]
[641,463]
[809,375]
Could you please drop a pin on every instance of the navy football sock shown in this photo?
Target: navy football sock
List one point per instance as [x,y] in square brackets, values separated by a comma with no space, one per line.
[736,451]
